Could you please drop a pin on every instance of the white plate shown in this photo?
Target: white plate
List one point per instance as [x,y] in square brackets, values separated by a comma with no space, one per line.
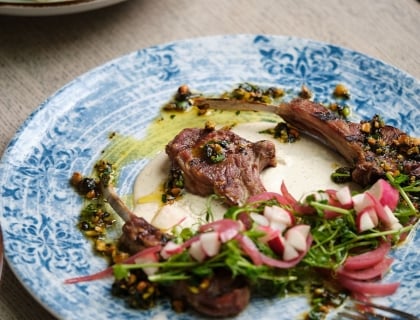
[51,7]
[67,133]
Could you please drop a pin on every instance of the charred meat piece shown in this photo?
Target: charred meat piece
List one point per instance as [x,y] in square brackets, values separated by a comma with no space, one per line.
[222,295]
[220,162]
[371,147]
[138,234]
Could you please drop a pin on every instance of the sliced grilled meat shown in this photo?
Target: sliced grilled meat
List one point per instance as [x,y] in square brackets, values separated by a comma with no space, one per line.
[220,162]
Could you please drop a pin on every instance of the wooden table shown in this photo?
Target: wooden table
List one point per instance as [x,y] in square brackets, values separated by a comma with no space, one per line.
[39,55]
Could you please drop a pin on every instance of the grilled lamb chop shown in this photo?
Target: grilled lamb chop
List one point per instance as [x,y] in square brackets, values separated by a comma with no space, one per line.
[371,148]
[220,162]
[225,295]
[138,234]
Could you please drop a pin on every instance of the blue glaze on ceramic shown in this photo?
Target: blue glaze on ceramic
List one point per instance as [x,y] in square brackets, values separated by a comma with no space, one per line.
[39,210]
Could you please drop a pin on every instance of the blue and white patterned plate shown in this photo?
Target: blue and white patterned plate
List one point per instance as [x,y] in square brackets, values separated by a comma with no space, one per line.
[67,133]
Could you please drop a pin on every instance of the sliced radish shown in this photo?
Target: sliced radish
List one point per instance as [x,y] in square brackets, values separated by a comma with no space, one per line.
[196,251]
[276,214]
[210,243]
[366,220]
[169,216]
[296,238]
[170,249]
[290,252]
[382,215]
[294,242]
[279,226]
[259,219]
[361,201]
[391,217]
[277,244]
[270,233]
[343,195]
[229,233]
[396,226]
[303,229]
[148,258]
[394,223]
[373,215]
[281,264]
[329,195]
[190,241]
[385,214]
[367,259]
[227,228]
[385,193]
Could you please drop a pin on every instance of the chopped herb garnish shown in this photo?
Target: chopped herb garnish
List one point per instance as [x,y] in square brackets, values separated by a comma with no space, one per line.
[283,132]
[214,151]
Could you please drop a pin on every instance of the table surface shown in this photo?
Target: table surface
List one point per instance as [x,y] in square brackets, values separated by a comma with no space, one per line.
[39,55]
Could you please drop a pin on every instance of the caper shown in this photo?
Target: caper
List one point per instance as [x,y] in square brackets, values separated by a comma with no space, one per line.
[86,185]
[341,91]
[305,92]
[84,225]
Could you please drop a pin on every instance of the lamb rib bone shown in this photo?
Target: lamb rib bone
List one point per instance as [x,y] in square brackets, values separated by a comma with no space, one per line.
[347,138]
